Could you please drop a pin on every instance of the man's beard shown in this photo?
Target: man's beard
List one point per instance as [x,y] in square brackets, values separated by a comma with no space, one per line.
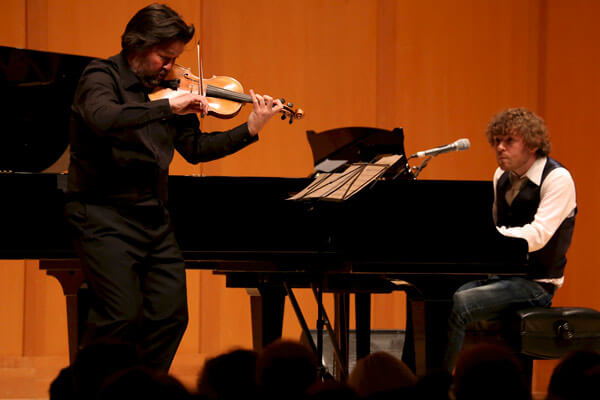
[150,81]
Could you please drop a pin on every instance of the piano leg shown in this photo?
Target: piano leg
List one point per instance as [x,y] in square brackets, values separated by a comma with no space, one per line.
[362,309]
[437,313]
[416,340]
[266,305]
[70,278]
[341,329]
[414,351]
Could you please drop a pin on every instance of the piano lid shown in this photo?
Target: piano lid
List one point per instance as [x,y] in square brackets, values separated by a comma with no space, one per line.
[38,89]
[357,144]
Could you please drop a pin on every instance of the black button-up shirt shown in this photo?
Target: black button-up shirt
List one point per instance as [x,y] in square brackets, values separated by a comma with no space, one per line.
[122,143]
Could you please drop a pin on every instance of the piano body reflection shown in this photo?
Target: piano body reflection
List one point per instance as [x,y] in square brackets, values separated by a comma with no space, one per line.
[431,235]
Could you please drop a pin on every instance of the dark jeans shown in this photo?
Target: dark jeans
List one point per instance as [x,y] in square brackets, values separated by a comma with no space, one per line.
[136,276]
[489,299]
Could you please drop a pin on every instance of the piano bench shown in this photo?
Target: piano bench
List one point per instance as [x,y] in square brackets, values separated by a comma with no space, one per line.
[540,333]
[550,333]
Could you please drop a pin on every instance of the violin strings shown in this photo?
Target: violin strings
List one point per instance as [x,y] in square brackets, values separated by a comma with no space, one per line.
[221,93]
[214,91]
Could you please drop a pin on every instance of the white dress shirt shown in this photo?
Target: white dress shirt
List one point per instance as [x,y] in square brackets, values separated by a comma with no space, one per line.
[557,202]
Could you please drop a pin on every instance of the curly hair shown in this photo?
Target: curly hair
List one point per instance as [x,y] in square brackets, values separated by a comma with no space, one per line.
[152,25]
[522,122]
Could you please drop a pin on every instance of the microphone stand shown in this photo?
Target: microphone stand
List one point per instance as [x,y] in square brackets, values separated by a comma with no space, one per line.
[417,170]
[461,144]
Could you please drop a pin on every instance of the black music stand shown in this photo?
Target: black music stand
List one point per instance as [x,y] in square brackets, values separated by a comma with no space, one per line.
[346,161]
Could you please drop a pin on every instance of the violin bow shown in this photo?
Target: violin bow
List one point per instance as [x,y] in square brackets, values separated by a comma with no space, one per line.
[201,90]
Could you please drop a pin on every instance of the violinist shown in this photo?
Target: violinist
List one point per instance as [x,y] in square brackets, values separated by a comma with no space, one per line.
[121,146]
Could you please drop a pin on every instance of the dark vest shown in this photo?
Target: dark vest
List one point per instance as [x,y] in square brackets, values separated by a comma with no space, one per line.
[549,261]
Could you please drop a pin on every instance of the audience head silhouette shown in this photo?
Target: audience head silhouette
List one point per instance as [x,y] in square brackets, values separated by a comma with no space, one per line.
[491,372]
[575,376]
[380,373]
[331,390]
[142,383]
[434,385]
[93,364]
[286,369]
[229,376]
[62,387]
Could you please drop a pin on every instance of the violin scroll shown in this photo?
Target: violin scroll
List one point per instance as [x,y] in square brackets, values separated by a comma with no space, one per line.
[288,111]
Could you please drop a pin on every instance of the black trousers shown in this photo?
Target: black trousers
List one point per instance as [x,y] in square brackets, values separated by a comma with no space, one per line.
[136,275]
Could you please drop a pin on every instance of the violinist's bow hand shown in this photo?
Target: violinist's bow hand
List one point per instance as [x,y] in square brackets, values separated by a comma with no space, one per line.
[189,103]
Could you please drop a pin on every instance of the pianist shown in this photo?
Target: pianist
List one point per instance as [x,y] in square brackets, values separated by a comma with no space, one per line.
[534,200]
[121,147]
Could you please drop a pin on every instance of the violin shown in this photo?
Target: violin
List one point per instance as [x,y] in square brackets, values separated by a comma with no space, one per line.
[225,94]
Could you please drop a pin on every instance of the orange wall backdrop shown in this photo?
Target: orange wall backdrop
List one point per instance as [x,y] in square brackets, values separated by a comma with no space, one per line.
[438,69]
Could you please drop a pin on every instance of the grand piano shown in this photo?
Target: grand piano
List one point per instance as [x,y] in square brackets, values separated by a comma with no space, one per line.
[425,237]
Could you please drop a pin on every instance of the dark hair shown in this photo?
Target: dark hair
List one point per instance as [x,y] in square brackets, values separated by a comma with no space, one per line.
[229,376]
[573,375]
[152,25]
[522,122]
[142,383]
[285,369]
[380,372]
[489,371]
[99,360]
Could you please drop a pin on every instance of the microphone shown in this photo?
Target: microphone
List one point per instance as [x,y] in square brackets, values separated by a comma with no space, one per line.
[460,144]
